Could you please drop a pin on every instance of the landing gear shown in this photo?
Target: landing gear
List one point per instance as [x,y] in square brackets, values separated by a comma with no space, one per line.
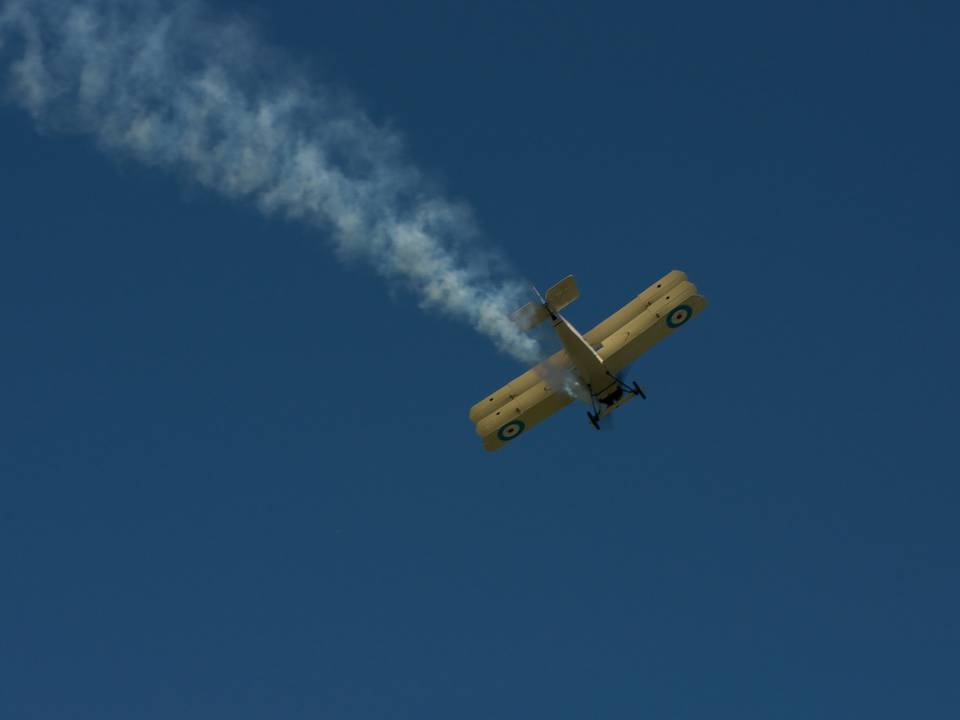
[610,398]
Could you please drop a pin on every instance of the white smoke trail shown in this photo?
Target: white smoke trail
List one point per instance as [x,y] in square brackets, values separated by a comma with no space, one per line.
[171,85]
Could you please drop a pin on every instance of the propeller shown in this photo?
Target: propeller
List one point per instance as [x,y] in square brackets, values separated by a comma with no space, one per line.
[606,423]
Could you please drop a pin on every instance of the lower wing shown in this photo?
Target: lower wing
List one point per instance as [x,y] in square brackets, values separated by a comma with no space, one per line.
[520,413]
[662,318]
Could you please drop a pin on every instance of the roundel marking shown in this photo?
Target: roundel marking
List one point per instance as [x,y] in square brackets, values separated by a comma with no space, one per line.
[511,430]
[679,315]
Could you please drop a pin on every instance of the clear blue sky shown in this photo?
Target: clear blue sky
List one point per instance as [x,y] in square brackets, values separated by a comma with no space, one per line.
[237,479]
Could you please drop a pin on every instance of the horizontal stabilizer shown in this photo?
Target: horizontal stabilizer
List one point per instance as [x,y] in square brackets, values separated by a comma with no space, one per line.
[558,297]
[530,315]
[562,294]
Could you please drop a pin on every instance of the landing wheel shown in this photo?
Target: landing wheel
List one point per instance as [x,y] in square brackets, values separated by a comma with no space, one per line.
[637,390]
[594,420]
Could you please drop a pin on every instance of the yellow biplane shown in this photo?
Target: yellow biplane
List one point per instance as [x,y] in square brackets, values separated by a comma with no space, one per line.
[589,365]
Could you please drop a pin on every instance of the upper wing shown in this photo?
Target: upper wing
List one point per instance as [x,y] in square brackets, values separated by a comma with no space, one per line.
[653,320]
[521,404]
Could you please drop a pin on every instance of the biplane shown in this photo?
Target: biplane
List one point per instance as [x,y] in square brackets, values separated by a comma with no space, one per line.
[589,366]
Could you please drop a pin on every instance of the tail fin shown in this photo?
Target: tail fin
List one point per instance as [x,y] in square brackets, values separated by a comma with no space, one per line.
[558,297]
